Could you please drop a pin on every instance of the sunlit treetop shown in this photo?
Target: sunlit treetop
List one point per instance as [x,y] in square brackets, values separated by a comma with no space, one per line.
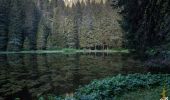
[71,3]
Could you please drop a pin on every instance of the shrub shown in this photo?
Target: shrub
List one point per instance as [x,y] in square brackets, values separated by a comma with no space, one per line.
[108,88]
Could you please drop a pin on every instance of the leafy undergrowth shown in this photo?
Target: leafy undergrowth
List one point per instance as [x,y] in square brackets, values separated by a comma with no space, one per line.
[111,88]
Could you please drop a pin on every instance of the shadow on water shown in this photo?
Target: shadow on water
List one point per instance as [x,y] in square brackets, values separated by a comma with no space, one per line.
[28,76]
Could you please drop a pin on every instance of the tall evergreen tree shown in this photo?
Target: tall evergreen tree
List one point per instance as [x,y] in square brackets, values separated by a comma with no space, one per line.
[4,9]
[31,21]
[15,42]
[77,24]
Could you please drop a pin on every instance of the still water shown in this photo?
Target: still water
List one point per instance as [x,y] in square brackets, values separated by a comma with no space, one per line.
[27,76]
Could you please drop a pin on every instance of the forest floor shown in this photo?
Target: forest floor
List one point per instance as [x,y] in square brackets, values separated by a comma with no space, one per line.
[66,51]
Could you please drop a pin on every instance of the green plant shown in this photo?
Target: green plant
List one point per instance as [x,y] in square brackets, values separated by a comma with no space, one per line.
[108,88]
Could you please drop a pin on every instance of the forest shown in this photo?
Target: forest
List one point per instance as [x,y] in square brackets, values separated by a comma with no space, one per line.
[101,24]
[41,25]
[142,27]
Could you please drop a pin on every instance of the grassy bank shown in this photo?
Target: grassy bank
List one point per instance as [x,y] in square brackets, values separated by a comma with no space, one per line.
[121,87]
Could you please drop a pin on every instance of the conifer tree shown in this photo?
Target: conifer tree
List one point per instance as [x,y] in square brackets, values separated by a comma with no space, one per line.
[15,42]
[4,9]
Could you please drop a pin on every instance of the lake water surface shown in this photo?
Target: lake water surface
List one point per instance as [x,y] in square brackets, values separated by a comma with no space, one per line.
[27,76]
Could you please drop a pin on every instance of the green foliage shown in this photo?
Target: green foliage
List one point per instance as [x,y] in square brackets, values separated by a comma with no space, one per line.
[115,87]
[108,88]
[143,94]
[49,97]
[52,97]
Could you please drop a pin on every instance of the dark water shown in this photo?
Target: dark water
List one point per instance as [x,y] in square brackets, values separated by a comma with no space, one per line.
[27,76]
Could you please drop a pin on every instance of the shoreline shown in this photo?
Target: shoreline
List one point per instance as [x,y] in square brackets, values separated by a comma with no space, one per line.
[64,51]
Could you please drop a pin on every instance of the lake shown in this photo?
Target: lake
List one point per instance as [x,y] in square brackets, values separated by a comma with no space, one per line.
[27,76]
